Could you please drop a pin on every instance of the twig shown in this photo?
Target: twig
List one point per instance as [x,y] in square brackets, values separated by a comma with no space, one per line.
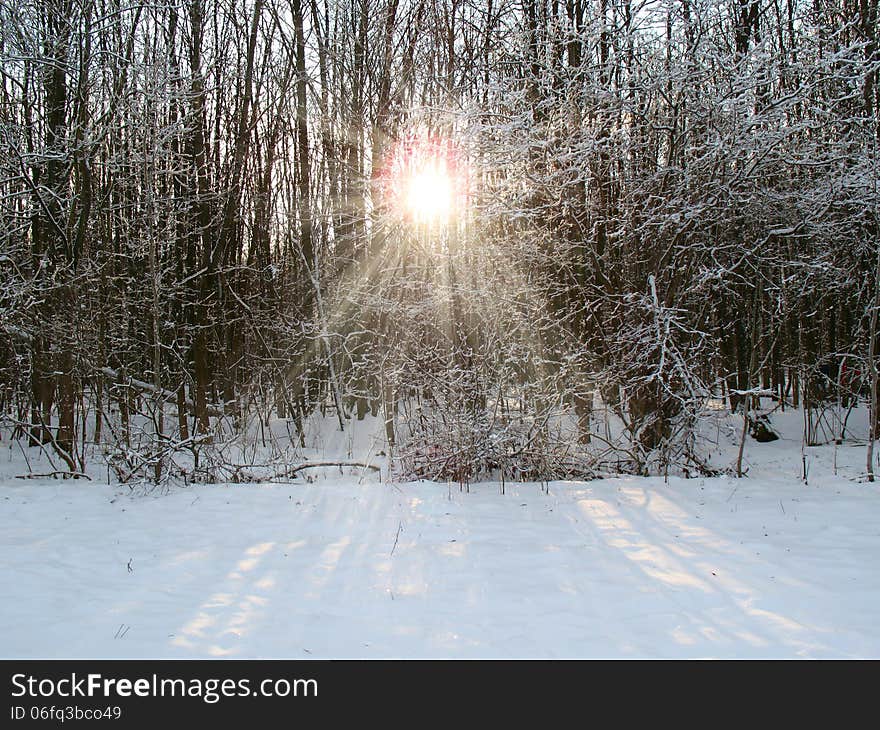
[396,537]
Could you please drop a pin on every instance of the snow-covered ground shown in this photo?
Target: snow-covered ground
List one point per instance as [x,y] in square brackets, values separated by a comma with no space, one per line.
[349,566]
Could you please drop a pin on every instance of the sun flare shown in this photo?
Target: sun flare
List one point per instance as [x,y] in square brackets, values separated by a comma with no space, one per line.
[425,180]
[429,194]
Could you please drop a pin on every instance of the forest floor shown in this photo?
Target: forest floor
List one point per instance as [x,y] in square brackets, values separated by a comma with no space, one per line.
[349,566]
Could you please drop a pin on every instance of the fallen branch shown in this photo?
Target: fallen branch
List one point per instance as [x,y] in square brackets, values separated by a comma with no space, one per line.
[211,409]
[54,474]
[315,464]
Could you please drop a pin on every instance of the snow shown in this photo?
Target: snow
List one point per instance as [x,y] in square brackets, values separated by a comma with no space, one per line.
[352,566]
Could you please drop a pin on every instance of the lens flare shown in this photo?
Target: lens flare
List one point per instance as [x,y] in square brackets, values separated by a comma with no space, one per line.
[429,193]
[424,180]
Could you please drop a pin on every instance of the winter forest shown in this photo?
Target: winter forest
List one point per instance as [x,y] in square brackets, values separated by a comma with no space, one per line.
[650,207]
[519,241]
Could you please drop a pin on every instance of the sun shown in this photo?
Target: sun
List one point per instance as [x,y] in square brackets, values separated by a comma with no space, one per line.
[429,193]
[424,180]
